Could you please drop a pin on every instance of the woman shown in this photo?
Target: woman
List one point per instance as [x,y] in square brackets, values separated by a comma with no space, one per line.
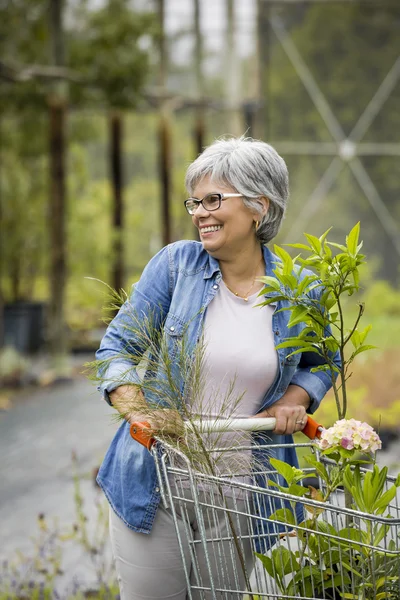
[238,192]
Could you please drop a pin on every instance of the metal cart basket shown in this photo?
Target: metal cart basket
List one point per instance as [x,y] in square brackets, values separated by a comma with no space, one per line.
[306,548]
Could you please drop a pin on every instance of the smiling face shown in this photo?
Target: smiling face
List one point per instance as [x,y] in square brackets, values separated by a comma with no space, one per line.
[229,229]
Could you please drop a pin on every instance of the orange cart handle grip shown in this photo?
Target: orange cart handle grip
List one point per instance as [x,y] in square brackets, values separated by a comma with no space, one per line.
[142,433]
[313,429]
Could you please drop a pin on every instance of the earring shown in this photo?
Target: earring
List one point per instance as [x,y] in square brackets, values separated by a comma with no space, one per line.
[257,224]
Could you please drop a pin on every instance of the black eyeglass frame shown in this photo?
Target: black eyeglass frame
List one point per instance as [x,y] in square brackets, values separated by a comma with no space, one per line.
[220,196]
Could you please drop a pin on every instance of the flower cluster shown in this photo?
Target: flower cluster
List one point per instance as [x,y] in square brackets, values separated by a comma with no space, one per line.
[351,435]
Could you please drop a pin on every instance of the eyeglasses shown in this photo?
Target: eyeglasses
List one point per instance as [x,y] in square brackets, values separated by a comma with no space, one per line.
[210,202]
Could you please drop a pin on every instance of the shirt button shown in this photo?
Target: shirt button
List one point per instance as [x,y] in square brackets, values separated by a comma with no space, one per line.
[215,287]
[157,489]
[172,328]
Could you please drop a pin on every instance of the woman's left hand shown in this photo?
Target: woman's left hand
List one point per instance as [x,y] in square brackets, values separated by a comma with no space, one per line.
[289,411]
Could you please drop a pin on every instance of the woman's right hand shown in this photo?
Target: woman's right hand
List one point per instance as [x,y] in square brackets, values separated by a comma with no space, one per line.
[131,404]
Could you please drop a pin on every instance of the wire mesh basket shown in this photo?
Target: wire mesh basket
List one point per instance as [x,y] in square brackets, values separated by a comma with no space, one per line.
[246,538]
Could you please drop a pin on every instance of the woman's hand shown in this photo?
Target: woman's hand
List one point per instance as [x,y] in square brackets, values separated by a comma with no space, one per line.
[131,404]
[289,411]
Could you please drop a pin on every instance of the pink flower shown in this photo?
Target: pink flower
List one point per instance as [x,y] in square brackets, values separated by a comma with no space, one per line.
[347,443]
[351,435]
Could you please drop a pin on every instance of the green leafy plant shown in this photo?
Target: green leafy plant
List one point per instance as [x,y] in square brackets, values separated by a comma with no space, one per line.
[350,552]
[347,544]
[319,323]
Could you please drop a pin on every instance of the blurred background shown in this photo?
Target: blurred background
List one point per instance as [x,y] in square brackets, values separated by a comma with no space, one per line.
[103,105]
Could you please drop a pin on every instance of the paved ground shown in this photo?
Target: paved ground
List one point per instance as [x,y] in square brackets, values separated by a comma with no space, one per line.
[37,438]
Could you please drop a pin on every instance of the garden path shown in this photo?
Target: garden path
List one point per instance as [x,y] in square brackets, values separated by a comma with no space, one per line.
[37,437]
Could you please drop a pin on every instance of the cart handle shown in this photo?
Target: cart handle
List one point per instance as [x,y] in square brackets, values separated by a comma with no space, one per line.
[143,433]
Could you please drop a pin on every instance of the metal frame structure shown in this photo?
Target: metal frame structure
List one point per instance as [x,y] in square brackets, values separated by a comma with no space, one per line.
[343,149]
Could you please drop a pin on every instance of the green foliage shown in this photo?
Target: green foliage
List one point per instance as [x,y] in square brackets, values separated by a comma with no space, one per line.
[359,560]
[367,556]
[109,50]
[315,301]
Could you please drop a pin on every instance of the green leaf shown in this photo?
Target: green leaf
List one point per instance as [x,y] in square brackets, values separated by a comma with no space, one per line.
[381,505]
[287,262]
[267,564]
[271,282]
[364,333]
[283,469]
[314,243]
[284,561]
[339,246]
[271,300]
[323,236]
[300,246]
[363,349]
[284,515]
[299,315]
[355,339]
[352,239]
[318,466]
[292,342]
[305,349]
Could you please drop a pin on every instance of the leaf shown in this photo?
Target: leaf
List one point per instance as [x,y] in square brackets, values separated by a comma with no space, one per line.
[267,564]
[352,239]
[287,262]
[380,505]
[291,342]
[364,348]
[272,300]
[284,515]
[314,243]
[339,246]
[318,466]
[283,469]
[271,282]
[300,246]
[323,236]
[355,339]
[285,561]
[315,495]
[364,333]
[307,349]
[299,315]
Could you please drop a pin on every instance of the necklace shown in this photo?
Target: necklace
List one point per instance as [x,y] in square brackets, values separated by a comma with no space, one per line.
[246,294]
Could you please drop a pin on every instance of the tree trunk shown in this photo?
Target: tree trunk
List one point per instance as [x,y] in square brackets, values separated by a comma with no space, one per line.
[116,140]
[199,83]
[165,175]
[1,273]
[58,270]
[263,60]
[164,133]
[232,75]
[57,330]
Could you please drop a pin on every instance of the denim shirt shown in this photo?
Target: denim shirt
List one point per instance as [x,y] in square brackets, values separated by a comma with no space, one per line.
[176,286]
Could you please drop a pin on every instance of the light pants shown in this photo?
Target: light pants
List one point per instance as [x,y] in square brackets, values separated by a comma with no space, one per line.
[149,566]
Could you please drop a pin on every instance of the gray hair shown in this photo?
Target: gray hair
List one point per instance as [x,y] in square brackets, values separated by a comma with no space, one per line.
[251,167]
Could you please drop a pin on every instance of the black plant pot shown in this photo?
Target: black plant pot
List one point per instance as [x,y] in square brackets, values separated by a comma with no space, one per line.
[24,326]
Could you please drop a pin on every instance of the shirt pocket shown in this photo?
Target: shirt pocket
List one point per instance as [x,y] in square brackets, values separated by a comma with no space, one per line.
[174,330]
[289,366]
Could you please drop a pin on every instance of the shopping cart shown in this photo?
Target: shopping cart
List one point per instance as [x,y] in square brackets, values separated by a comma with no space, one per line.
[309,548]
